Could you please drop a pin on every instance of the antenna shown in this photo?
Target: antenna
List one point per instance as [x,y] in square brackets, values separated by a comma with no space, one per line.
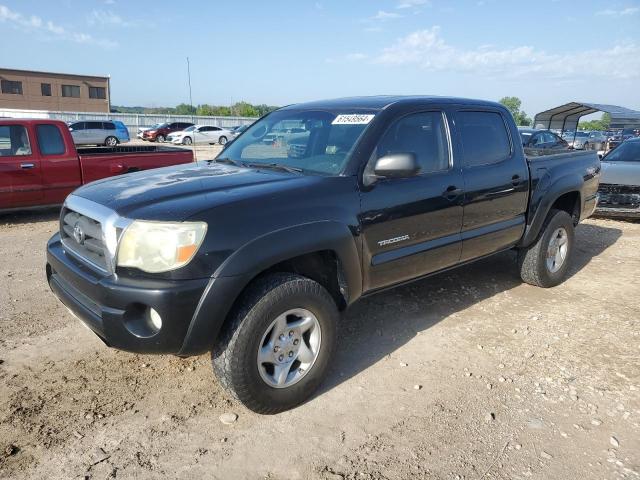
[195,158]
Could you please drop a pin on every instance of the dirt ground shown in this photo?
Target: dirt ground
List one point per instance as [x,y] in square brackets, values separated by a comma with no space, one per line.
[467,375]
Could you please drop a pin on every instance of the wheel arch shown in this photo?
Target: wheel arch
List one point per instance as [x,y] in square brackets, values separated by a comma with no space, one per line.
[323,251]
[564,194]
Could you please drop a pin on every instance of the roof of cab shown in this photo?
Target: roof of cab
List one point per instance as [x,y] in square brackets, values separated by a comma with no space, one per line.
[381,102]
[29,121]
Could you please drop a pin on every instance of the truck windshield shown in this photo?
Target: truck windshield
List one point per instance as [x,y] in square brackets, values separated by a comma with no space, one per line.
[315,141]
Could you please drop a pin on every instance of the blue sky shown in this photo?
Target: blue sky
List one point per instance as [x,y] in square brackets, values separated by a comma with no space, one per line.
[546,52]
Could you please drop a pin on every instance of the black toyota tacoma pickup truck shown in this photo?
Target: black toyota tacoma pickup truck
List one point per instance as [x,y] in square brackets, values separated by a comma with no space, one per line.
[252,256]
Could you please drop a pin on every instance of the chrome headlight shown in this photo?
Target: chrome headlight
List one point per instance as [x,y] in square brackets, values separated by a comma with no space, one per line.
[156,247]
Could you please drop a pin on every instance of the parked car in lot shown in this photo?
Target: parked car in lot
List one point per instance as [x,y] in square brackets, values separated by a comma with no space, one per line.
[620,181]
[252,255]
[595,141]
[141,130]
[160,133]
[238,130]
[40,165]
[200,134]
[577,140]
[541,142]
[109,133]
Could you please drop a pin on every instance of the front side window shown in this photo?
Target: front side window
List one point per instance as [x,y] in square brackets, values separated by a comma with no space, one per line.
[97,92]
[484,136]
[14,141]
[45,89]
[11,86]
[423,134]
[316,141]
[108,126]
[50,140]
[71,91]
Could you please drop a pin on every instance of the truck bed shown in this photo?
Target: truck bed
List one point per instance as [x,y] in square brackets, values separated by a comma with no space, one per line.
[101,162]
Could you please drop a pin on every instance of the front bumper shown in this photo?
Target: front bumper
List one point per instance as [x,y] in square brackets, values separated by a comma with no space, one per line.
[111,306]
[622,201]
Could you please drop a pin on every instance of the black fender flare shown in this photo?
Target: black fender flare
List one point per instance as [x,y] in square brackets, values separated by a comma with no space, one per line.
[543,199]
[256,256]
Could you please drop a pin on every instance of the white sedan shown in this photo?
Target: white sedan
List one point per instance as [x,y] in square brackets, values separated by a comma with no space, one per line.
[200,134]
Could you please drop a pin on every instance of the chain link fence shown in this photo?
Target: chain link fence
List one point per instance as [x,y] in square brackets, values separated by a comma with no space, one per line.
[132,120]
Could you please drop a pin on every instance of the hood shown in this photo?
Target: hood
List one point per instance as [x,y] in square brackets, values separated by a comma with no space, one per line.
[620,173]
[178,192]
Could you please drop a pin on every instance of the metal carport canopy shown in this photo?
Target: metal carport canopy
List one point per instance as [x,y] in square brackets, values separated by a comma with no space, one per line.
[566,117]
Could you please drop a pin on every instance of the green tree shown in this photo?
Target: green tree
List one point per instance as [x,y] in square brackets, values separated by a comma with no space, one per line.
[513,104]
[602,124]
[184,109]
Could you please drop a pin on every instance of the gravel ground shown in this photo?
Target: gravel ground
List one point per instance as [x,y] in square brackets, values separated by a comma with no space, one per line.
[467,375]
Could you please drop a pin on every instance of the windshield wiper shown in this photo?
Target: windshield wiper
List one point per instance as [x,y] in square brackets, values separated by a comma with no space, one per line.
[228,161]
[276,166]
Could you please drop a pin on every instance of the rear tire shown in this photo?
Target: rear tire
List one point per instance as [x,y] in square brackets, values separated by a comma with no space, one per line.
[253,334]
[111,141]
[545,263]
[160,139]
[222,140]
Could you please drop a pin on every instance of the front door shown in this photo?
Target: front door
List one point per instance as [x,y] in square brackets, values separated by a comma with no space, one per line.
[411,226]
[20,169]
[496,183]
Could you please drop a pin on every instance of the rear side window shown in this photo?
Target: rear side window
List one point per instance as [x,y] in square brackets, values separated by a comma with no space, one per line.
[423,134]
[50,140]
[484,136]
[94,125]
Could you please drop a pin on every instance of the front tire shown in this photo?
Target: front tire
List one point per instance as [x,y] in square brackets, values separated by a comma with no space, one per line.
[546,262]
[276,346]
[222,140]
[187,141]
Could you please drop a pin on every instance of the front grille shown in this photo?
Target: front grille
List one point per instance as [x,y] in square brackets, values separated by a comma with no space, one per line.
[83,236]
[619,196]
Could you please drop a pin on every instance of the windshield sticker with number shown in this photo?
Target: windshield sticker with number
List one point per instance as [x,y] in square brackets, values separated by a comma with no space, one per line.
[352,119]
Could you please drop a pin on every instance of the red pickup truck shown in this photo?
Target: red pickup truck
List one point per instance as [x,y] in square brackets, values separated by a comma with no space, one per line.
[40,165]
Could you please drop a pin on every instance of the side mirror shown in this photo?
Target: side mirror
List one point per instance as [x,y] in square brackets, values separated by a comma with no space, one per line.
[394,165]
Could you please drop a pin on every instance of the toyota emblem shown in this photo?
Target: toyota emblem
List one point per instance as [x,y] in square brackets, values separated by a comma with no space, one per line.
[78,233]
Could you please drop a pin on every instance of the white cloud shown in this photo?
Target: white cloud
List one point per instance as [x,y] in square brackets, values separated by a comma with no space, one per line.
[356,56]
[619,13]
[382,15]
[427,49]
[412,3]
[107,18]
[36,24]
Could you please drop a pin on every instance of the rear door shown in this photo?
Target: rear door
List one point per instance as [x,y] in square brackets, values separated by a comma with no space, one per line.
[411,226]
[20,169]
[60,164]
[94,133]
[496,179]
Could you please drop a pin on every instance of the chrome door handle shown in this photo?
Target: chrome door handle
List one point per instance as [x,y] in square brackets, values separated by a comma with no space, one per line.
[27,165]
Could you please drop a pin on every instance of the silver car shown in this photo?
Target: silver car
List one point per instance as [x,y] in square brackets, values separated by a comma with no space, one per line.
[95,133]
[619,191]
